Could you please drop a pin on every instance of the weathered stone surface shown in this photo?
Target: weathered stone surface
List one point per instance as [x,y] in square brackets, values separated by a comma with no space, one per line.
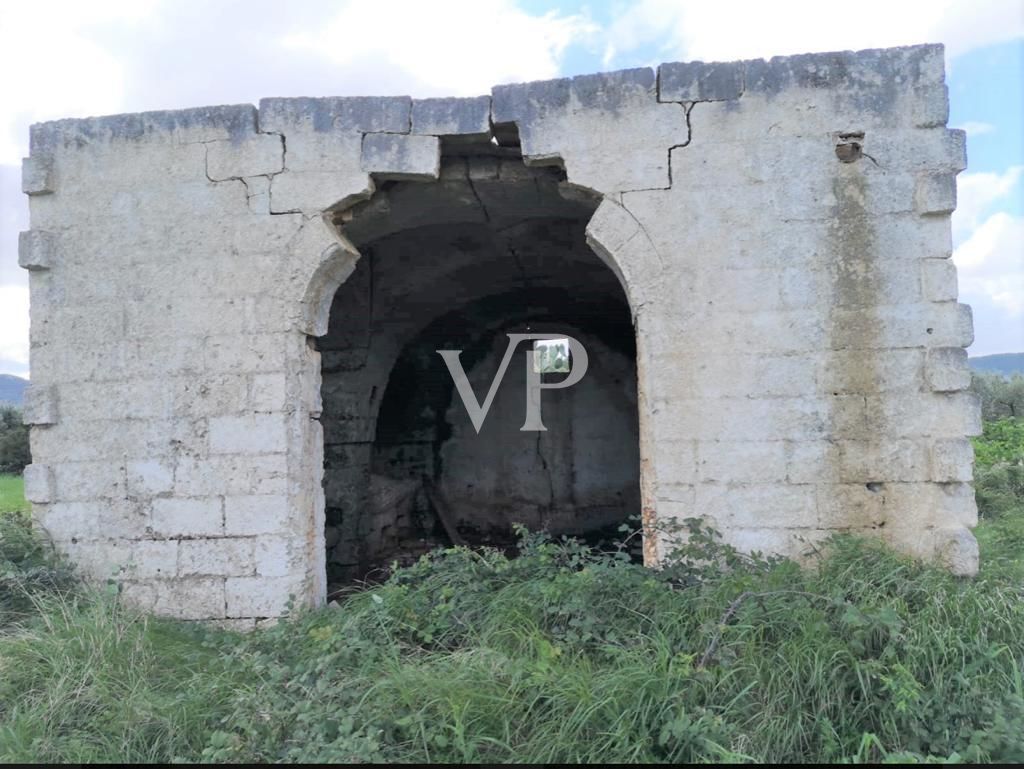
[40,405]
[935,194]
[697,81]
[799,351]
[37,176]
[37,250]
[452,117]
[38,484]
[947,370]
[259,155]
[401,156]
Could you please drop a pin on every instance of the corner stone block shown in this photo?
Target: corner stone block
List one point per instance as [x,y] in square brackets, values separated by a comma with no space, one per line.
[935,194]
[38,484]
[952,460]
[36,250]
[452,117]
[261,155]
[946,370]
[931,106]
[938,280]
[958,550]
[697,81]
[401,156]
[37,176]
[40,405]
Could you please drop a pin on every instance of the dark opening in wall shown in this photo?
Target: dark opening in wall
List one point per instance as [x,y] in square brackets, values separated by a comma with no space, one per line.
[492,248]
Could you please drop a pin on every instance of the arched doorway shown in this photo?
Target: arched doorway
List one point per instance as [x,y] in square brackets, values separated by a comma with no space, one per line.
[493,247]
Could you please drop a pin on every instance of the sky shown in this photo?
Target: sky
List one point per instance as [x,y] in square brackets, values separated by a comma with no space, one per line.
[67,58]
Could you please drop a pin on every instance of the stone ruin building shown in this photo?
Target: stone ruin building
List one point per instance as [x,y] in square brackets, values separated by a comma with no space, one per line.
[236,393]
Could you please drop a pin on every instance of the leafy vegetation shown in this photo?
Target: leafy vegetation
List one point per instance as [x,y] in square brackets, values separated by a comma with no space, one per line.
[562,654]
[1001,397]
[14,448]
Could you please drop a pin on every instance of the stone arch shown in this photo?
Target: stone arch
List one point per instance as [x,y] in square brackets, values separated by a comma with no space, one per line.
[612,233]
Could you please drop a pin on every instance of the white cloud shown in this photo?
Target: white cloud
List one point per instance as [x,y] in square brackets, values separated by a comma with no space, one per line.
[991,277]
[991,262]
[53,66]
[976,128]
[736,29]
[68,58]
[977,193]
[461,47]
[14,325]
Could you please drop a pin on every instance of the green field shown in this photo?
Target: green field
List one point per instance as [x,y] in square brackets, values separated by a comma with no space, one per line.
[12,494]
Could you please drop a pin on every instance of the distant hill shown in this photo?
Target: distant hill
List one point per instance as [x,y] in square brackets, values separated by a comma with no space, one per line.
[12,389]
[1006,363]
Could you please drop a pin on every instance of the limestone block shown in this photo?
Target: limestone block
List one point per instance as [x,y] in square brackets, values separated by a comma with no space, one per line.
[874,461]
[154,559]
[247,514]
[268,392]
[958,550]
[697,81]
[931,106]
[851,506]
[258,155]
[924,414]
[227,557]
[770,505]
[273,556]
[870,371]
[185,517]
[741,461]
[363,114]
[952,460]
[191,598]
[88,481]
[37,250]
[449,117]
[40,405]
[849,71]
[316,191]
[259,596]
[935,194]
[567,120]
[37,177]
[401,156]
[938,280]
[250,434]
[39,484]
[181,127]
[811,461]
[947,369]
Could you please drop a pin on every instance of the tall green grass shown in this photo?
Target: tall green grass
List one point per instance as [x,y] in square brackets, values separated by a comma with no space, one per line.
[563,654]
[12,494]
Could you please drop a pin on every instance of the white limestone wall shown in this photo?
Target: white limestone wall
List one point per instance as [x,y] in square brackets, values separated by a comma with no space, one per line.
[800,348]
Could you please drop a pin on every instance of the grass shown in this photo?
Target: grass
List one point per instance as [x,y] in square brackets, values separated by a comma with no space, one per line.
[12,494]
[561,655]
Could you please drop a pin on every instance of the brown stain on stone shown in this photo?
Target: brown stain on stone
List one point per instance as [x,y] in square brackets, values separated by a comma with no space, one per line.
[853,327]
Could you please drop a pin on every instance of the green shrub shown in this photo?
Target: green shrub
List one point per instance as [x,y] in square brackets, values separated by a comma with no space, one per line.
[564,654]
[14,446]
